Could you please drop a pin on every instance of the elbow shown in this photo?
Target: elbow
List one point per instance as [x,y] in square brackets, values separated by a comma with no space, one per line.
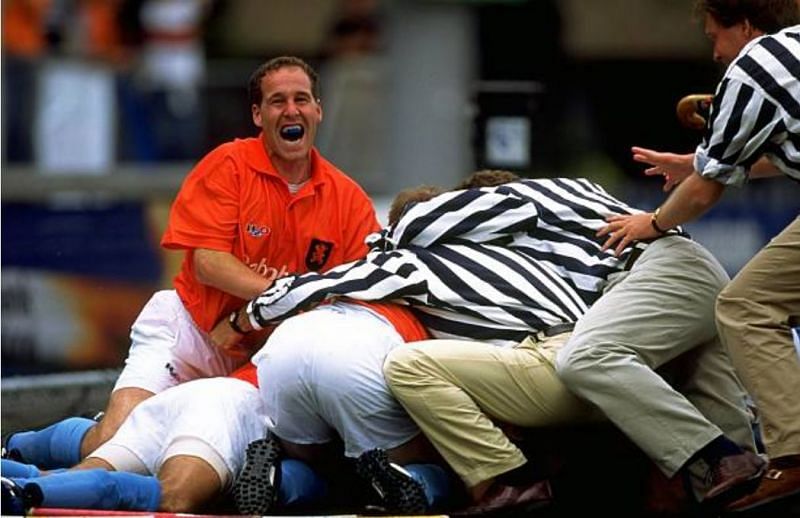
[710,198]
[709,193]
[203,266]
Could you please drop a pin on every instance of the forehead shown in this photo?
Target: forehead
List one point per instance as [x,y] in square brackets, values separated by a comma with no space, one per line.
[285,80]
[711,25]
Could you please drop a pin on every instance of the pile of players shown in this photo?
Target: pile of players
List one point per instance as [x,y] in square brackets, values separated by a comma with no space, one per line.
[301,339]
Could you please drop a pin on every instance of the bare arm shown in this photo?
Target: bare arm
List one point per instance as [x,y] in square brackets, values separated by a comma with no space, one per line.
[763,168]
[225,272]
[693,197]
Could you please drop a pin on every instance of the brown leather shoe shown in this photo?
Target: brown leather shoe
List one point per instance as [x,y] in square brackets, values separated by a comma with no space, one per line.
[733,477]
[501,498]
[782,480]
[666,496]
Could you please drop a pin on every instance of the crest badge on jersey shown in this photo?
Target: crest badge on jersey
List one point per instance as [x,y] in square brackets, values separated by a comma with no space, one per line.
[318,253]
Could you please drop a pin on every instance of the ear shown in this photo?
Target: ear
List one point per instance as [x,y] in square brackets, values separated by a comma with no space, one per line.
[750,31]
[319,109]
[256,113]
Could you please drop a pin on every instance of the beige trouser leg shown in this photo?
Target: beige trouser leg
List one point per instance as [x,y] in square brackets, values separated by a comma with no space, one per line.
[452,388]
[660,310]
[752,317]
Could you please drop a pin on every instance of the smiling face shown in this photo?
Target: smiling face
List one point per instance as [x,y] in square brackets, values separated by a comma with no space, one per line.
[728,41]
[288,115]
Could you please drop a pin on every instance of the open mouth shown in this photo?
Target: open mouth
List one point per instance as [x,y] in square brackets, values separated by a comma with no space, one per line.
[292,132]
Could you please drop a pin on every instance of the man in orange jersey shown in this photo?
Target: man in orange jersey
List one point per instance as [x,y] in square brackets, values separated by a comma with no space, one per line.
[251,211]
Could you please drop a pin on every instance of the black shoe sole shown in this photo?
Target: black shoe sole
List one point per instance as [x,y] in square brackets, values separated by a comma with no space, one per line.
[399,492]
[256,489]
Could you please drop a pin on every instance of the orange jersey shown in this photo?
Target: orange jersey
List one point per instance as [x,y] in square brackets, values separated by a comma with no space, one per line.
[235,201]
[401,317]
[246,372]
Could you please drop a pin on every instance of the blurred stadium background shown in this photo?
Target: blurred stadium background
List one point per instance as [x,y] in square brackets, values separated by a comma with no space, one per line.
[106,104]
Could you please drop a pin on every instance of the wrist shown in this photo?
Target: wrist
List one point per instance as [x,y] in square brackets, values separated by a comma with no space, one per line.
[654,222]
[254,323]
[233,321]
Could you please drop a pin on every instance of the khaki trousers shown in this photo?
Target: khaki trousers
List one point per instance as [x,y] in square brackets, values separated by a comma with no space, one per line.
[661,309]
[753,319]
[451,388]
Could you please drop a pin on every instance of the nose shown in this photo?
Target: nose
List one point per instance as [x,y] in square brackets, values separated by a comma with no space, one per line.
[291,108]
[717,55]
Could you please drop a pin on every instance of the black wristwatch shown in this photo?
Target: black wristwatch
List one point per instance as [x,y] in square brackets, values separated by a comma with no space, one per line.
[232,320]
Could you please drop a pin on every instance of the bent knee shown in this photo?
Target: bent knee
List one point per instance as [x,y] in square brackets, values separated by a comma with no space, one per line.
[573,359]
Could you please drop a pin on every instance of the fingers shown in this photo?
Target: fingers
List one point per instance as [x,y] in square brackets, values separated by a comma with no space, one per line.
[612,238]
[614,232]
[645,159]
[608,228]
[623,244]
[619,234]
[621,238]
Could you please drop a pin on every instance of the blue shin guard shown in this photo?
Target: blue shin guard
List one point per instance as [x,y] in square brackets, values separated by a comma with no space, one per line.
[299,484]
[57,446]
[95,489]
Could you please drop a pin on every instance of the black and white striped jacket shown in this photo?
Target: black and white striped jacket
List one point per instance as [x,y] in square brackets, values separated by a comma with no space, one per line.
[493,264]
[756,111]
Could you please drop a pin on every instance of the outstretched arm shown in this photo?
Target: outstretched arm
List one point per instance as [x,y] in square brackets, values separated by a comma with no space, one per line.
[381,276]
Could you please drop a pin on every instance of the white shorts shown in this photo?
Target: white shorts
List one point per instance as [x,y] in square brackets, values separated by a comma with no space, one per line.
[214,419]
[321,372]
[167,348]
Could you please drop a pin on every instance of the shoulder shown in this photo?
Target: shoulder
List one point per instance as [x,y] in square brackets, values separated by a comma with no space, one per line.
[770,52]
[229,156]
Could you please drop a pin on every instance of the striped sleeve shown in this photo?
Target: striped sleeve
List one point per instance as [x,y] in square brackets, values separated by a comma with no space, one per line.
[756,112]
[380,276]
[470,291]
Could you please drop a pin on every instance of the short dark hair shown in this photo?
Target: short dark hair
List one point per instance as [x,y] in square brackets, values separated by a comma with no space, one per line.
[487,178]
[254,86]
[768,16]
[408,197]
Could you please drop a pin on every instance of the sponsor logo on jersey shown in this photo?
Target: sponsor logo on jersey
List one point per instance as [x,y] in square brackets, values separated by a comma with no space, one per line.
[268,272]
[258,231]
[318,253]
